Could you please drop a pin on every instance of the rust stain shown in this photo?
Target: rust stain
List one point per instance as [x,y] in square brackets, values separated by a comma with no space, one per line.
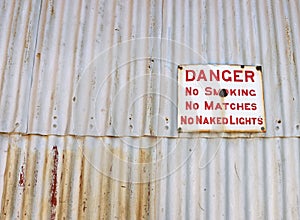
[148,200]
[52,10]
[53,192]
[84,206]
[289,48]
[35,177]
[22,177]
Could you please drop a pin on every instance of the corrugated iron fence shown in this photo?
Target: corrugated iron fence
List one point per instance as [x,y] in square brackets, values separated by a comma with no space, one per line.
[88,110]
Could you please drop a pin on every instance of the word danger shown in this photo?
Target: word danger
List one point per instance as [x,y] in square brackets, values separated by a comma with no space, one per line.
[217,75]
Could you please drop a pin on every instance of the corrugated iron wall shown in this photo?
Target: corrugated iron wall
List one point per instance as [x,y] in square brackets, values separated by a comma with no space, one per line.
[88,109]
[135,178]
[124,55]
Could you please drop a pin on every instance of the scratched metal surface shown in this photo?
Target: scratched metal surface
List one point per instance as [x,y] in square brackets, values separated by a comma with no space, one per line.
[109,67]
[54,177]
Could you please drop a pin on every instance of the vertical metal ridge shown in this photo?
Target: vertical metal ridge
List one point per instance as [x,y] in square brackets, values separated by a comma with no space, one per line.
[281,30]
[17,56]
[36,57]
[294,63]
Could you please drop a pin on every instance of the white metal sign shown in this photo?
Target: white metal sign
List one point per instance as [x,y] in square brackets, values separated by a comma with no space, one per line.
[220,98]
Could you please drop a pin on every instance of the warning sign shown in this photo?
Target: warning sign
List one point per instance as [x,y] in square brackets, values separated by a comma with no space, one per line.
[220,98]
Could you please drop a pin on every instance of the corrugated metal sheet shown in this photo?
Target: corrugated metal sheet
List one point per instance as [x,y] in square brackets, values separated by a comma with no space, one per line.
[135,178]
[109,67]
[84,82]
[18,28]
